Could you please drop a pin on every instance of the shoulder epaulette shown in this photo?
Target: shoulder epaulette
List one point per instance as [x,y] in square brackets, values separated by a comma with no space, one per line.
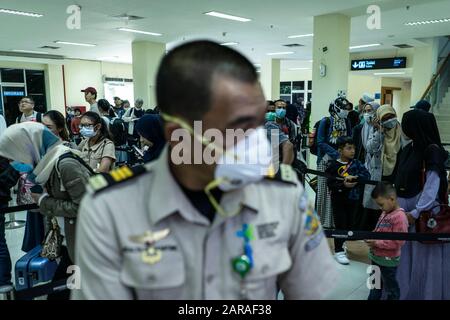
[284,174]
[103,181]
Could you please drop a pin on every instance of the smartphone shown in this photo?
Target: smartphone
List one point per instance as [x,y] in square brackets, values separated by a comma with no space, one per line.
[37,189]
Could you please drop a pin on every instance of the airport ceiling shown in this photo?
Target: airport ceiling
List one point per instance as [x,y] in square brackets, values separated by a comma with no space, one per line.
[182,20]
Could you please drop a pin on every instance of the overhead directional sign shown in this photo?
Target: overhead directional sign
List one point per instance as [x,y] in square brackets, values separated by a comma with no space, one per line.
[383,63]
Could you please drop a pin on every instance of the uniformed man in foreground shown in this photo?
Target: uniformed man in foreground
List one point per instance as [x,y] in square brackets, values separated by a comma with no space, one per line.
[176,230]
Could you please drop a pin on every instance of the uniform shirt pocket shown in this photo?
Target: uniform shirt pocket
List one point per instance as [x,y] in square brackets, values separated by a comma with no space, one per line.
[164,279]
[269,262]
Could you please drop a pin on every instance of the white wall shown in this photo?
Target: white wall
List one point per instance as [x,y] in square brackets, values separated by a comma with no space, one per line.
[359,84]
[79,74]
[402,98]
[295,75]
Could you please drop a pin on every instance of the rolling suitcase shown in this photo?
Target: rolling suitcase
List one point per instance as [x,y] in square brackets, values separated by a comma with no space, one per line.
[32,269]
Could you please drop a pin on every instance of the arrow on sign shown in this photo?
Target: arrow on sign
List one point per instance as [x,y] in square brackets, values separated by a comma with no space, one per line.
[355,65]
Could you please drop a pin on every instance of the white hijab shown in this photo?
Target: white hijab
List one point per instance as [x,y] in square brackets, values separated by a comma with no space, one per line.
[33,143]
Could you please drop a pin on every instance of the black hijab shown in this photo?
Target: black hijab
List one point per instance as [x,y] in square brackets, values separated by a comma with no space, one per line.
[150,126]
[292,113]
[424,153]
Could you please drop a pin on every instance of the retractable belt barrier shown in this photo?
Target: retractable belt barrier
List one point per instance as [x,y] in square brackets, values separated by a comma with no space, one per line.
[366,235]
[333,177]
[41,290]
[25,207]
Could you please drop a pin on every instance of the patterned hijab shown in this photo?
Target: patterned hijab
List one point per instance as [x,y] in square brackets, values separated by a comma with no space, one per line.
[34,144]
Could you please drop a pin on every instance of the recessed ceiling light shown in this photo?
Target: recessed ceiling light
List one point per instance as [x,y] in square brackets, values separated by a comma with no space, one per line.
[229,43]
[257,64]
[292,69]
[30,51]
[387,73]
[427,22]
[226,16]
[280,53]
[301,35]
[76,44]
[365,46]
[139,31]
[21,13]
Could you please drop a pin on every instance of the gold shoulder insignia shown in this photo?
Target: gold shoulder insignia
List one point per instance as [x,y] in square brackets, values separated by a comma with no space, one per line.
[284,174]
[103,181]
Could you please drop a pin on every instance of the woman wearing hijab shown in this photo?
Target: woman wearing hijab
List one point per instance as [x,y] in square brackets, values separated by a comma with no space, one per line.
[424,270]
[8,179]
[381,140]
[150,130]
[330,130]
[62,176]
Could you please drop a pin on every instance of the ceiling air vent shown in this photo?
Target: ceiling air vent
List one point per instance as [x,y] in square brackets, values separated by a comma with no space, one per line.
[403,46]
[293,45]
[49,47]
[128,17]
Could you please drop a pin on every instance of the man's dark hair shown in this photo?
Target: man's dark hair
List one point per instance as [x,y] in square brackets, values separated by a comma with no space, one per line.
[186,74]
[384,190]
[270,103]
[28,97]
[116,98]
[77,109]
[341,142]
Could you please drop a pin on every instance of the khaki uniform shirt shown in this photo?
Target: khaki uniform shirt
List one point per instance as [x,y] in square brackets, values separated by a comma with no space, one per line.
[290,251]
[93,155]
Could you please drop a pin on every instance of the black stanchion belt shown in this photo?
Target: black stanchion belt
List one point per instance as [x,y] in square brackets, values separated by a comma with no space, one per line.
[41,290]
[366,235]
[25,207]
[330,176]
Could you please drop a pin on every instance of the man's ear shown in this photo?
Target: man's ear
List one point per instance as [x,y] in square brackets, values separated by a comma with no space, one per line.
[169,128]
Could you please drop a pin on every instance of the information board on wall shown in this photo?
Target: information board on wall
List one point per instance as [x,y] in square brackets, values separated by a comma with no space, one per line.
[374,64]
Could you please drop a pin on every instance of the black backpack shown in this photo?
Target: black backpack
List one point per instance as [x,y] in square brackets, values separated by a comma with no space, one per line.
[119,131]
[313,142]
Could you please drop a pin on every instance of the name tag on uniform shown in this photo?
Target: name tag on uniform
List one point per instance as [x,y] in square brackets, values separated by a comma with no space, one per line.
[267,230]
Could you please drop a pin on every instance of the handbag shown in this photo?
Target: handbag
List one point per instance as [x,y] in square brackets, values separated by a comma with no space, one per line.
[24,192]
[430,223]
[51,246]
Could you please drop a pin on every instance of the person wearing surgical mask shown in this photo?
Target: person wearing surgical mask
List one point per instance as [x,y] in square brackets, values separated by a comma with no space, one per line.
[186,227]
[97,148]
[287,126]
[330,129]
[382,145]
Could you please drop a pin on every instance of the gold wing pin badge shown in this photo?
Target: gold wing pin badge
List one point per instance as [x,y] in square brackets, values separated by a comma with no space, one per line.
[151,255]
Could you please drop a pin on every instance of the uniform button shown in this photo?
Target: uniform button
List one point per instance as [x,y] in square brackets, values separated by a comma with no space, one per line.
[70,221]
[151,278]
[209,278]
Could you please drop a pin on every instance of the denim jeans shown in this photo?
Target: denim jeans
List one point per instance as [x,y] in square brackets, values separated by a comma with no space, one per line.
[5,259]
[389,284]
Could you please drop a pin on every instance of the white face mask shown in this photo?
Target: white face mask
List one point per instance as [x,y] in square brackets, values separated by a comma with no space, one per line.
[343,114]
[368,117]
[247,162]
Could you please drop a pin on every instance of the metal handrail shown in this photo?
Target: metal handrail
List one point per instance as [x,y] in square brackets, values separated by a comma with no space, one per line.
[435,77]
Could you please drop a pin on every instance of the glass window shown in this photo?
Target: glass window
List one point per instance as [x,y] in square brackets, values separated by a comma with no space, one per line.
[12,75]
[35,81]
[298,85]
[297,96]
[286,98]
[310,85]
[309,96]
[285,87]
